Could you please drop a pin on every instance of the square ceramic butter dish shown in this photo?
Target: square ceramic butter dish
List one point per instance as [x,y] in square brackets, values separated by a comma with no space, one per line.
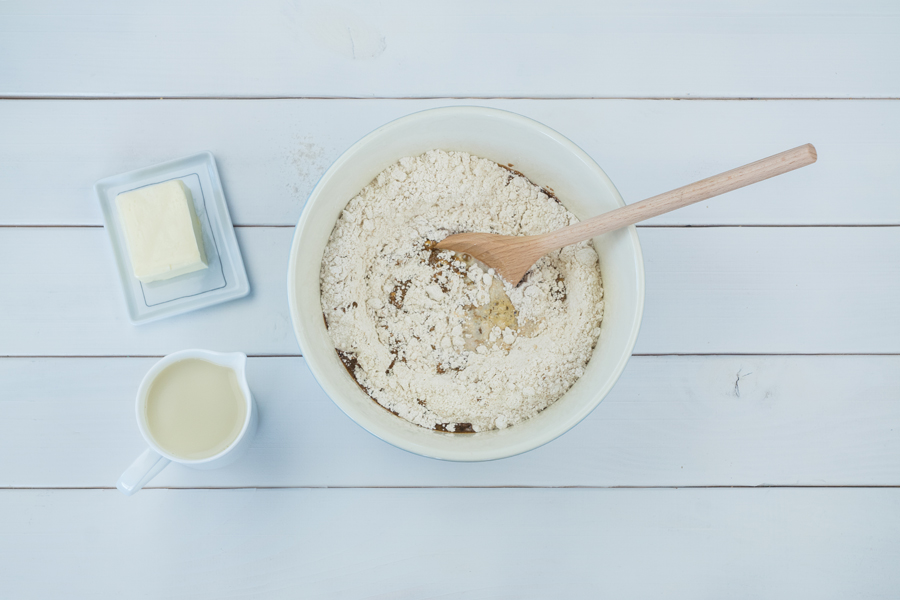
[224,280]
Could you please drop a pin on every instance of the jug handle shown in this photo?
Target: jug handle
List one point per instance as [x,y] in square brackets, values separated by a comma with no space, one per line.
[146,467]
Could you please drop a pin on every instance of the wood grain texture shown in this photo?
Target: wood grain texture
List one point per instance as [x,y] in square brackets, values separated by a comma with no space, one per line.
[271,153]
[652,48]
[717,290]
[481,544]
[670,421]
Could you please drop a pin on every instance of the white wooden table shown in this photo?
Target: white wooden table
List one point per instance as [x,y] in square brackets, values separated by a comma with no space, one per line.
[751,448]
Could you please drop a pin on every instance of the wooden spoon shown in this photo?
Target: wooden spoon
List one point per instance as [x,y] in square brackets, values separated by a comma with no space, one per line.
[511,256]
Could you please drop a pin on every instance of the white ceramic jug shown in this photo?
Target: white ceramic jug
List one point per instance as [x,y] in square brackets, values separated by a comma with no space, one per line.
[154,459]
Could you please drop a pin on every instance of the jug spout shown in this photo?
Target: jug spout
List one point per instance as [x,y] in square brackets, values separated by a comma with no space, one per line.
[236,361]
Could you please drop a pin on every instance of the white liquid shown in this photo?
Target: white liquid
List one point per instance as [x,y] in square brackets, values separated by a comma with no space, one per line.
[195,409]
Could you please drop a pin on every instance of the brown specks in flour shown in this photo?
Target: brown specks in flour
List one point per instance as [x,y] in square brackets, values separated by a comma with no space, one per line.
[434,337]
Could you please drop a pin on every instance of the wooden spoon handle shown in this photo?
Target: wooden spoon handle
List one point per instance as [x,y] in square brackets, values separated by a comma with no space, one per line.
[683,196]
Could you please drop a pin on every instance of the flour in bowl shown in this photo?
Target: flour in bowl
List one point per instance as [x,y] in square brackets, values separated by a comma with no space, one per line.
[431,335]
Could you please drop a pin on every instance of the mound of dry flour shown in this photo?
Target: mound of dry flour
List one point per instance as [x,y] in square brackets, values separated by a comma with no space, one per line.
[431,335]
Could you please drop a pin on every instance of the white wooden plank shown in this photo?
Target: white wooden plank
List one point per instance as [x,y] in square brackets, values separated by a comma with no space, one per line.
[734,543]
[468,48]
[271,153]
[709,290]
[63,285]
[761,290]
[671,421]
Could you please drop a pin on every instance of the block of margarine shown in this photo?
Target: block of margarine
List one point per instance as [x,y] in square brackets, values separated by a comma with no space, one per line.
[162,231]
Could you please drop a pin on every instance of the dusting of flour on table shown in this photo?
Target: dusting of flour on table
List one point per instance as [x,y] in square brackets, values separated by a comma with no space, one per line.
[431,335]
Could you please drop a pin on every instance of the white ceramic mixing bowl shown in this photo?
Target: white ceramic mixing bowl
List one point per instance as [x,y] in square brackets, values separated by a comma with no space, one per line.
[547,159]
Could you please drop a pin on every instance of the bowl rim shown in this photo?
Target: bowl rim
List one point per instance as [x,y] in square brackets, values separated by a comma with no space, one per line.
[484,455]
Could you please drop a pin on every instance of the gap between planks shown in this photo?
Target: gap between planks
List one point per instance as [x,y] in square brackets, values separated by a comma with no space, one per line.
[636,354]
[639,226]
[472,487]
[414,98]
